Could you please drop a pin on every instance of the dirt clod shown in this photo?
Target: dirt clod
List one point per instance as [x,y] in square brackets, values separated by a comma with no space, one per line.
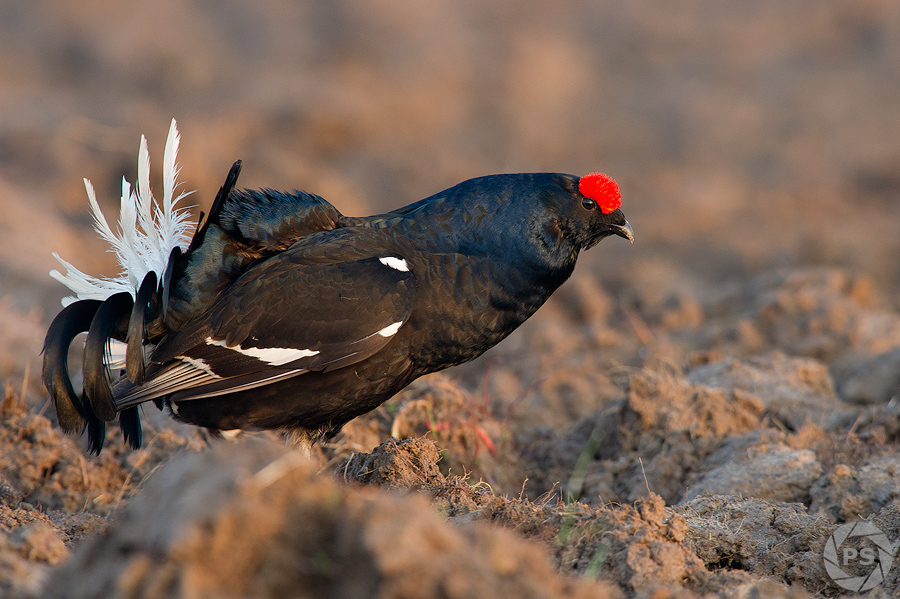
[300,535]
[402,465]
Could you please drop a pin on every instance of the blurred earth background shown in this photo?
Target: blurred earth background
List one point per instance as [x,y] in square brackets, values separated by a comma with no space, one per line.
[690,416]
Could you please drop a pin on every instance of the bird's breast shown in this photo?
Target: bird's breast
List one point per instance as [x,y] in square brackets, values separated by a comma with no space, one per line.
[464,306]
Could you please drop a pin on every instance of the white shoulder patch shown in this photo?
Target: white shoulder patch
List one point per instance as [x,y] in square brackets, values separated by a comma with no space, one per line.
[395,263]
[390,330]
[276,356]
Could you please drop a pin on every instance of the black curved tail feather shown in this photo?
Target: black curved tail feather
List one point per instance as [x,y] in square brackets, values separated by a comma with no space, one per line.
[165,285]
[96,430]
[221,197]
[104,326]
[134,356]
[71,321]
[130,425]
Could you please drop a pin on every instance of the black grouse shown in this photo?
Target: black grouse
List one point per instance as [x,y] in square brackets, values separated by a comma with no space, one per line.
[282,313]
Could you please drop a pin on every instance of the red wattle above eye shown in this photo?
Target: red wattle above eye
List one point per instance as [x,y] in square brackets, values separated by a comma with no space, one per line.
[602,189]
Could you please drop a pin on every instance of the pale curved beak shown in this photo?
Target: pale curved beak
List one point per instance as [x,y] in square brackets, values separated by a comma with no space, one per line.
[624,231]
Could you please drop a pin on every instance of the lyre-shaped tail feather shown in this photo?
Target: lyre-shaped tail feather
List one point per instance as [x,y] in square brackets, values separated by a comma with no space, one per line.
[150,238]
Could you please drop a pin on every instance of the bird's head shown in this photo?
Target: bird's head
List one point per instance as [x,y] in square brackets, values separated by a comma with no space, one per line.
[539,220]
[578,213]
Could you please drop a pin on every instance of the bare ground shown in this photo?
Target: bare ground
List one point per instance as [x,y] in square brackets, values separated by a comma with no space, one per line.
[719,474]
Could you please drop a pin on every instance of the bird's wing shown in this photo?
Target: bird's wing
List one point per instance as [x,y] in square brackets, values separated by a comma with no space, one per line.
[243,227]
[280,320]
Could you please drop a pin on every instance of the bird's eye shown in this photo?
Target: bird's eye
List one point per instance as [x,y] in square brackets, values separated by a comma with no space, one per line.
[588,203]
